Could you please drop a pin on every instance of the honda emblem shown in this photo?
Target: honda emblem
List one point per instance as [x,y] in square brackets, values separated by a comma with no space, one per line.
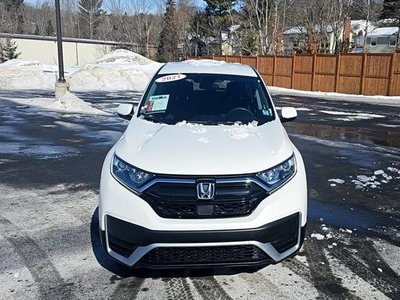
[206,190]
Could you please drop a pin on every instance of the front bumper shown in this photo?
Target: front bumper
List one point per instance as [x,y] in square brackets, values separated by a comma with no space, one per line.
[137,246]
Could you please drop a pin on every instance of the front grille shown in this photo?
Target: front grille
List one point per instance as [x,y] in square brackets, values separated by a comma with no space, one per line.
[179,200]
[203,255]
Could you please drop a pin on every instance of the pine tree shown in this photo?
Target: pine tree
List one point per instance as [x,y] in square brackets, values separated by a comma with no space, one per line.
[168,46]
[90,14]
[8,51]
[391,10]
[218,13]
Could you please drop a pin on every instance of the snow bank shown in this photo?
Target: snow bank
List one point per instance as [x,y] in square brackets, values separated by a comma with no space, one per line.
[68,103]
[117,71]
[21,74]
[26,74]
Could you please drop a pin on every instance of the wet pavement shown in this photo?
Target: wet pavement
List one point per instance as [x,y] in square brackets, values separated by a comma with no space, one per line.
[49,173]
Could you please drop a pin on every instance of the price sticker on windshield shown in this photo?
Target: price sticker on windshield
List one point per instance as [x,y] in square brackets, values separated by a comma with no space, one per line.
[170,78]
[157,103]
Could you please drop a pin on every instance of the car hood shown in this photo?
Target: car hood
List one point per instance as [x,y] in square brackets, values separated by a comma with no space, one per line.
[193,149]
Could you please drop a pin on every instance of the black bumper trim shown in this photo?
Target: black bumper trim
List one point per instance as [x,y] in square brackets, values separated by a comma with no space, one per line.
[140,236]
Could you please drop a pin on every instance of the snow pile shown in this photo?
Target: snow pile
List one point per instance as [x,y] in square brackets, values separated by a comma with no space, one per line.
[21,74]
[123,56]
[68,103]
[118,71]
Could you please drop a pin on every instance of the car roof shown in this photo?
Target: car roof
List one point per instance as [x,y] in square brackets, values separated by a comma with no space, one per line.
[207,66]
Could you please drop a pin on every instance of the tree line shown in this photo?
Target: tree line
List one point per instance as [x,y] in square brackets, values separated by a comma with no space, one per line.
[179,28]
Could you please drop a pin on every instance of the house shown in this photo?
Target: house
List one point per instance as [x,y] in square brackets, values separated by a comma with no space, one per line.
[382,40]
[295,39]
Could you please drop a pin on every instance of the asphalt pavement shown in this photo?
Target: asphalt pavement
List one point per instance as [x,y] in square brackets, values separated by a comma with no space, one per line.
[49,177]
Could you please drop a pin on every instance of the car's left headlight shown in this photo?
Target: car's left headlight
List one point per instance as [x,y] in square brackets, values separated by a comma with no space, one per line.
[128,175]
[280,174]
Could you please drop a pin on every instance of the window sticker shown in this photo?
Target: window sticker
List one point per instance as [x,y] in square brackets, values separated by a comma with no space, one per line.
[157,103]
[169,78]
[266,112]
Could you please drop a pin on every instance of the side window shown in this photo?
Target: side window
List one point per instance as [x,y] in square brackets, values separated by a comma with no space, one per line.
[392,42]
[262,101]
[373,41]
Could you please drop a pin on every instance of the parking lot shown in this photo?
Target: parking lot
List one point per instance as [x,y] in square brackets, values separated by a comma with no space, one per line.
[49,177]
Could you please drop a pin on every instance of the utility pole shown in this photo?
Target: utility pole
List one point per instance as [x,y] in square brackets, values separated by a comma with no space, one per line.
[61,86]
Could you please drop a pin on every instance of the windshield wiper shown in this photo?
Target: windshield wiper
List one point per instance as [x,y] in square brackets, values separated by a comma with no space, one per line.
[152,118]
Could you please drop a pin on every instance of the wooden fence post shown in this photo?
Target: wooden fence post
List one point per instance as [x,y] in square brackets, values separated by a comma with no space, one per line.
[257,64]
[274,71]
[391,73]
[241,59]
[363,71]
[293,64]
[313,72]
[337,74]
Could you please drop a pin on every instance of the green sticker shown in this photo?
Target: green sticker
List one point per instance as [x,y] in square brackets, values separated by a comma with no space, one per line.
[158,103]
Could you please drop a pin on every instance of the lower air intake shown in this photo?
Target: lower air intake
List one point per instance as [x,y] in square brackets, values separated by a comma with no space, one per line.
[203,255]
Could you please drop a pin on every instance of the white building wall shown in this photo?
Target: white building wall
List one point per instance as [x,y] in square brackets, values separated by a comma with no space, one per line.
[75,53]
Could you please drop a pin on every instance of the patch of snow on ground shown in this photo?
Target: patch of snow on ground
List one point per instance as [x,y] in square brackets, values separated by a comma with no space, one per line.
[68,103]
[350,116]
[318,236]
[117,71]
[380,100]
[336,180]
[378,180]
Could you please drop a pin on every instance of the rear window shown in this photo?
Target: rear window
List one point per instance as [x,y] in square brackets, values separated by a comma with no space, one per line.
[206,99]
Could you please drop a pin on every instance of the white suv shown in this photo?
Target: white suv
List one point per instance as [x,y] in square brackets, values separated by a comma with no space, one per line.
[204,175]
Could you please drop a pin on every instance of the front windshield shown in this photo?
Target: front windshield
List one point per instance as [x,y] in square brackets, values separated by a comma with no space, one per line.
[206,99]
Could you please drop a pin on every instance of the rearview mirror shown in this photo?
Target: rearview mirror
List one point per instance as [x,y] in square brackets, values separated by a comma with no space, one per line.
[288,114]
[125,111]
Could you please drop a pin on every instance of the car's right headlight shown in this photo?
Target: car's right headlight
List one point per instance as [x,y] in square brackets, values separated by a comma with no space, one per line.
[280,174]
[129,175]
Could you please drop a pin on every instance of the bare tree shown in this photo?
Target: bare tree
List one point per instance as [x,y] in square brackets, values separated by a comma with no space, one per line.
[90,12]
[184,16]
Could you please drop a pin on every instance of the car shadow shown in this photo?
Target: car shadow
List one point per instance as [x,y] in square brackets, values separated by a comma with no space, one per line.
[106,262]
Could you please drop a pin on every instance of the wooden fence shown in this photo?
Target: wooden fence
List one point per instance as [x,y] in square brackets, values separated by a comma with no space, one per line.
[349,73]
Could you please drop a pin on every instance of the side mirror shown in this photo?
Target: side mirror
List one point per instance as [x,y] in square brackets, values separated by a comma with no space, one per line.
[125,111]
[288,114]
